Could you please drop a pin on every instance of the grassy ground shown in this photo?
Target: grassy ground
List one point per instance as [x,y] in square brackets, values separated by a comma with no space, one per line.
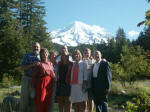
[118,96]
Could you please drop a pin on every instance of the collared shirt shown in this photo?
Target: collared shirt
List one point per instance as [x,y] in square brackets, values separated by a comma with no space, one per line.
[28,59]
[95,69]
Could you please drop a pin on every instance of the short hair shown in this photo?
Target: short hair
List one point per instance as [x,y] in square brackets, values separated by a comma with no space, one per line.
[87,49]
[35,43]
[63,47]
[99,52]
[77,52]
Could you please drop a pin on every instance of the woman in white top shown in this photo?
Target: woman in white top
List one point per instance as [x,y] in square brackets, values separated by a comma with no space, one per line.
[79,75]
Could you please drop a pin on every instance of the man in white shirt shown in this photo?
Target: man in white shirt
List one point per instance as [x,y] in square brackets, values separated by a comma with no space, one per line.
[64,51]
[101,80]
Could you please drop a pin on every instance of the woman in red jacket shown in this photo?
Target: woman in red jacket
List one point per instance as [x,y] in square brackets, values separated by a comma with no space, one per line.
[43,80]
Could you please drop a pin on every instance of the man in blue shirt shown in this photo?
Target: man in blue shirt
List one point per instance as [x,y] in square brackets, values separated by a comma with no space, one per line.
[28,62]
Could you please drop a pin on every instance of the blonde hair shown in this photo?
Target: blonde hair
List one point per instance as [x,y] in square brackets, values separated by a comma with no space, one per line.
[77,52]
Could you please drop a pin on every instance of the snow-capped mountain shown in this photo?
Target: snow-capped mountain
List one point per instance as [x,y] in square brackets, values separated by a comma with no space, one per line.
[79,33]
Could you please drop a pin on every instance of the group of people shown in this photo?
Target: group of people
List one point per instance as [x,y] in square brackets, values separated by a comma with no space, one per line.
[71,80]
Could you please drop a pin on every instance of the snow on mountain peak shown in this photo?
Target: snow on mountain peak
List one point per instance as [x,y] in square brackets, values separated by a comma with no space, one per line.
[79,33]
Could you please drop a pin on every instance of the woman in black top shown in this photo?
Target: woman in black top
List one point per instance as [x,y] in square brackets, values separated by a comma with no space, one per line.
[63,88]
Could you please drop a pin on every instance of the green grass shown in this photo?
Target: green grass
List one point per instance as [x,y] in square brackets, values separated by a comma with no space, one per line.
[116,97]
[119,94]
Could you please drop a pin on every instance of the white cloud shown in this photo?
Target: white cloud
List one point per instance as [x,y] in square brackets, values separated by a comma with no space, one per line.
[133,33]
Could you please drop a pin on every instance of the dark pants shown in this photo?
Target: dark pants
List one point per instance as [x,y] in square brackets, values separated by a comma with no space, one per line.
[103,107]
[101,103]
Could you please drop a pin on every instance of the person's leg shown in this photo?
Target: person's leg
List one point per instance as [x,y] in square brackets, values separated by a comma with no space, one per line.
[82,106]
[53,99]
[76,107]
[68,105]
[24,101]
[99,108]
[90,105]
[61,103]
[105,106]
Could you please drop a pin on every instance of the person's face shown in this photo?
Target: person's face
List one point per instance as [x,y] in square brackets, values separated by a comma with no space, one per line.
[87,54]
[97,55]
[53,57]
[44,55]
[76,57]
[64,58]
[65,50]
[36,48]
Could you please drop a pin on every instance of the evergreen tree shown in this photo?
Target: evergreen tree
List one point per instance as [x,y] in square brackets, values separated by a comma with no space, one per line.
[31,14]
[121,40]
[143,39]
[11,43]
[134,65]
[110,50]
[21,23]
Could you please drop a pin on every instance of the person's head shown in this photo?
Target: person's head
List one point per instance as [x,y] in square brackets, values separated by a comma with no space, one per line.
[44,54]
[36,48]
[77,56]
[64,50]
[98,55]
[64,58]
[87,53]
[53,56]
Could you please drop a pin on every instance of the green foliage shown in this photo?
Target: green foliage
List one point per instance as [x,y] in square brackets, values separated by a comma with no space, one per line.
[143,39]
[121,41]
[141,103]
[147,18]
[133,65]
[11,41]
[31,14]
[21,23]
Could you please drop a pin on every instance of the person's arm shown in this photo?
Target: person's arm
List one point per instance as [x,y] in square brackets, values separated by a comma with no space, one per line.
[25,63]
[53,76]
[27,67]
[108,77]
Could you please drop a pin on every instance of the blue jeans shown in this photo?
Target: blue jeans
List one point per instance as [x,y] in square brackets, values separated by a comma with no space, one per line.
[102,107]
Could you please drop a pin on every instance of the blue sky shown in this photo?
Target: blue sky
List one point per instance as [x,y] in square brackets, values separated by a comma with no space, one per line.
[109,14]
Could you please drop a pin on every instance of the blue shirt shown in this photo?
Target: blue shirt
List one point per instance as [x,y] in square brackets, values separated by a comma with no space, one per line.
[28,59]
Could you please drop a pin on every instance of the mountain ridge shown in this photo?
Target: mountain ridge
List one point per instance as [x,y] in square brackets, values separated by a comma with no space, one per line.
[79,33]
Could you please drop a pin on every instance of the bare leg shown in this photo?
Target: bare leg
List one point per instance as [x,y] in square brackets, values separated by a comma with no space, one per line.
[61,103]
[82,106]
[68,105]
[76,108]
[90,105]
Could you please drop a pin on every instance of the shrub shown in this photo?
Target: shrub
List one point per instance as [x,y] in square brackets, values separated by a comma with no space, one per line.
[141,103]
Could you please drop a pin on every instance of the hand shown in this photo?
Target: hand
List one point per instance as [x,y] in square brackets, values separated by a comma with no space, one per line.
[107,91]
[35,64]
[104,59]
